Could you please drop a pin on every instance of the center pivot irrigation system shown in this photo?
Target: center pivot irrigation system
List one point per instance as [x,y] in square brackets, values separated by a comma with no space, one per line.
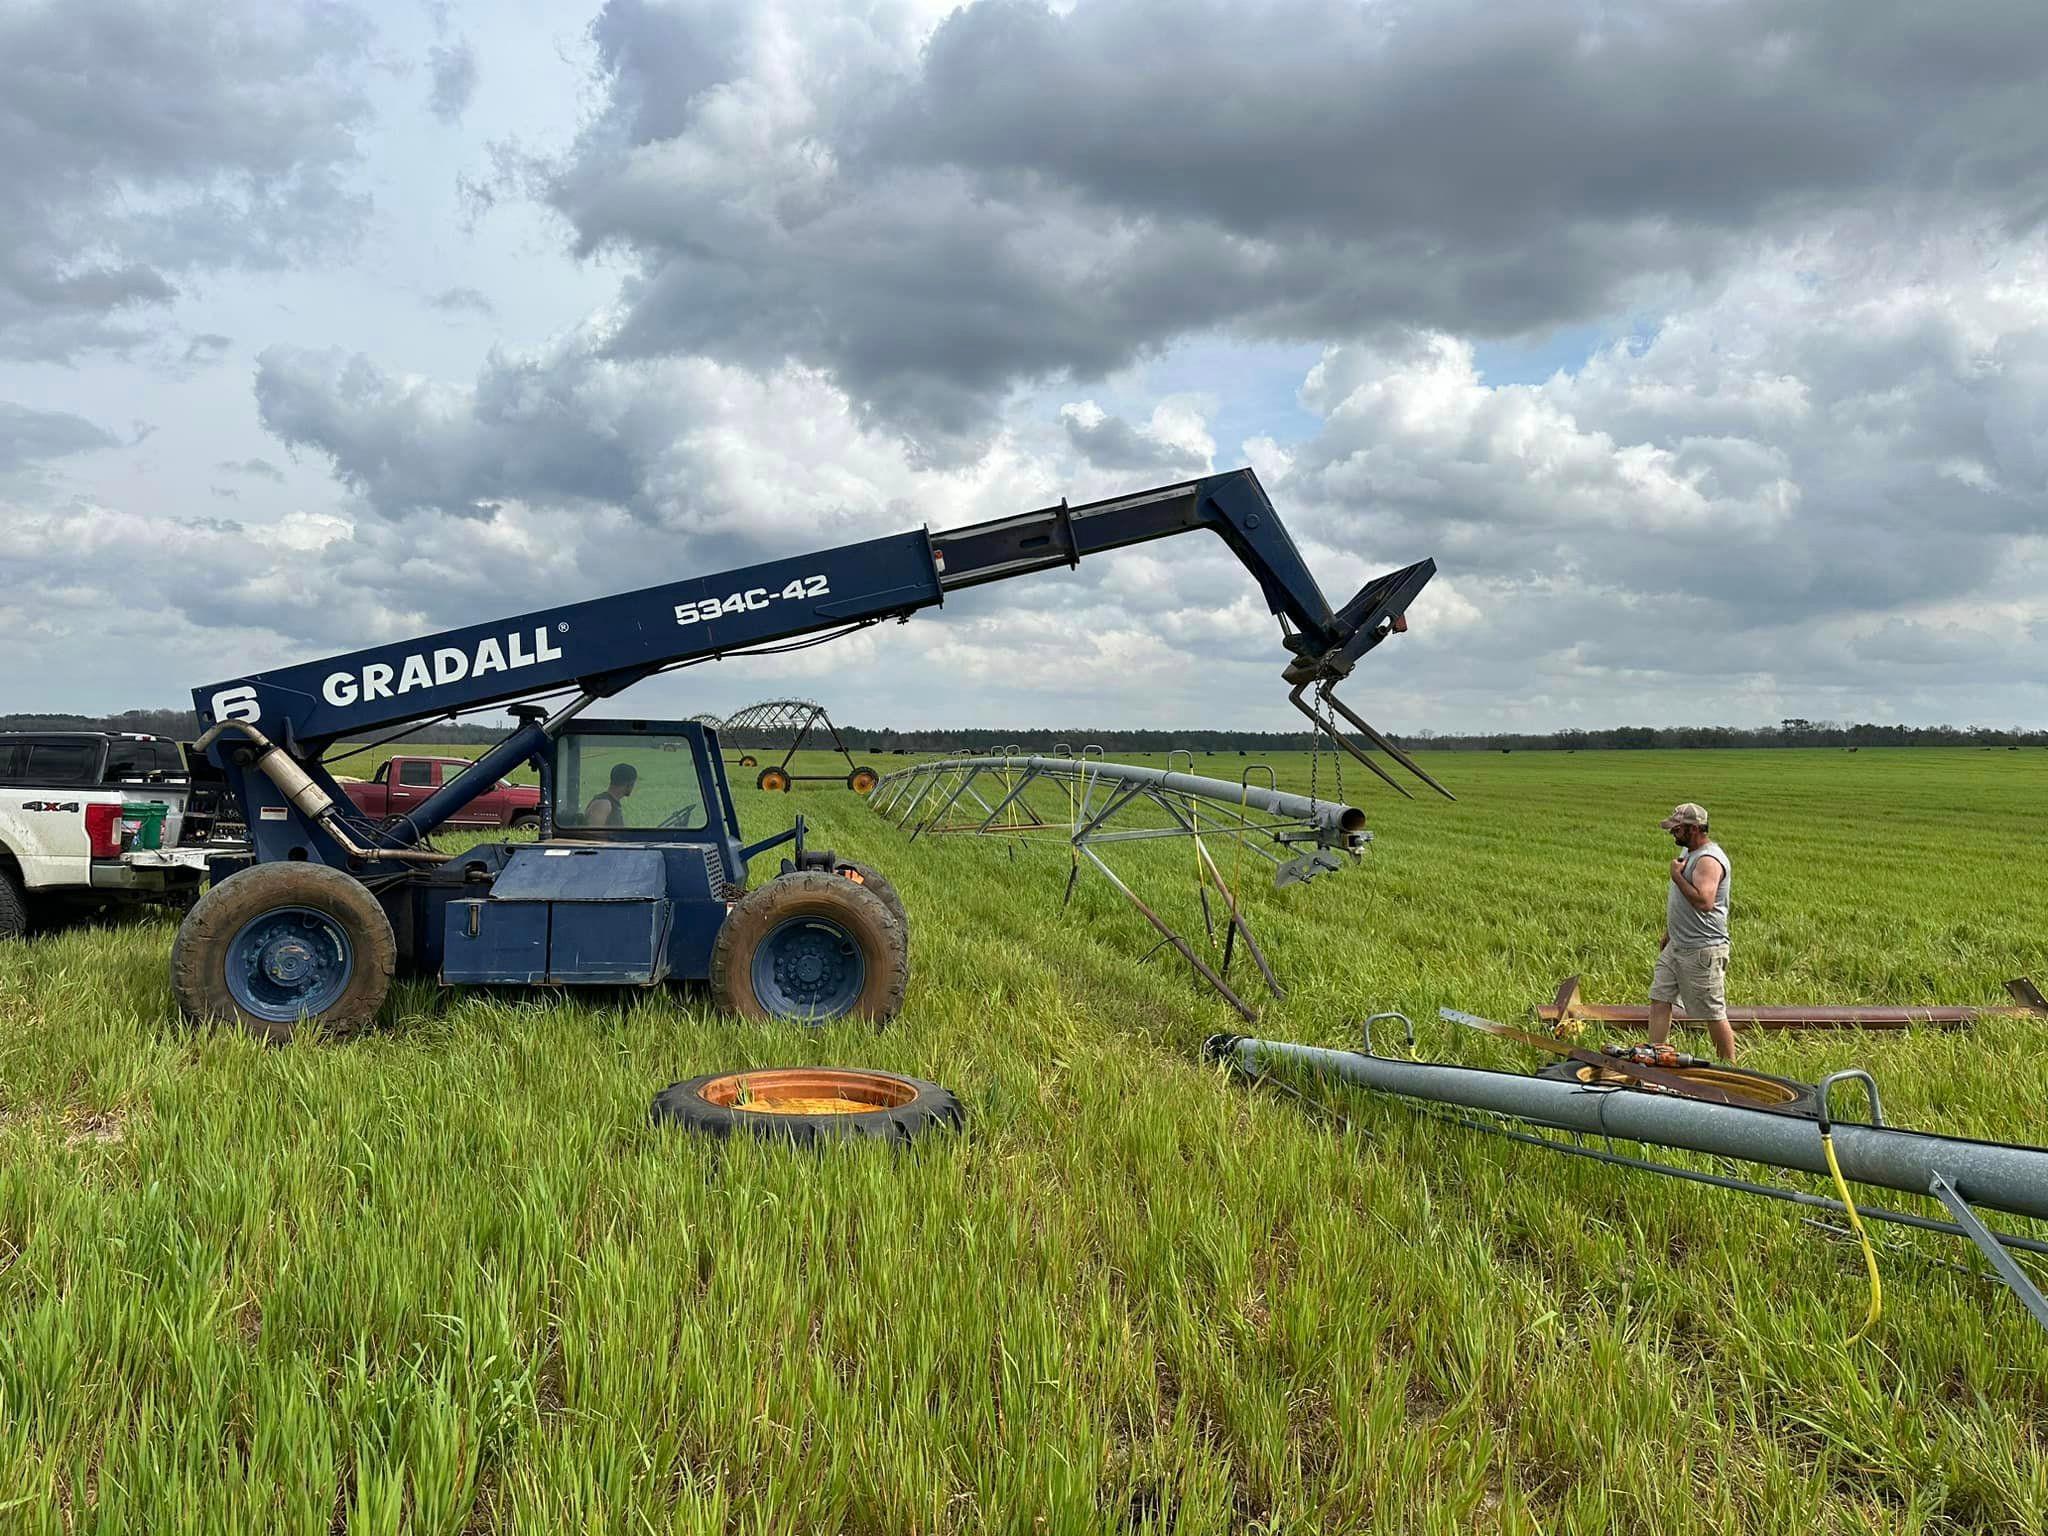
[1089,806]
[640,875]
[795,720]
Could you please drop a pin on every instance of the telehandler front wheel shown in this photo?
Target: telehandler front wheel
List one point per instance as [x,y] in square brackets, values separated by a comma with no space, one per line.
[276,944]
[811,946]
[874,880]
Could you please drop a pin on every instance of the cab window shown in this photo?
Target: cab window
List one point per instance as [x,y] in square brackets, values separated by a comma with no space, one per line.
[638,782]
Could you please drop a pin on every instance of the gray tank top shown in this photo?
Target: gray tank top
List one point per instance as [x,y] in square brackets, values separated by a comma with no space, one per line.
[1689,927]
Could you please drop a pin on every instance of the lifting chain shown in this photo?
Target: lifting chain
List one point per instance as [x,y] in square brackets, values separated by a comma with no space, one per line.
[1315,754]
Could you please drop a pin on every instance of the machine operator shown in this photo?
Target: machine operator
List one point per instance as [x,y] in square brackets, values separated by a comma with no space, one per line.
[608,809]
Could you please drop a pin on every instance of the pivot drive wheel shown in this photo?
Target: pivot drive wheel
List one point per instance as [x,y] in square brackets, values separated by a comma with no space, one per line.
[808,1104]
[862,779]
[773,780]
[811,946]
[748,760]
[277,944]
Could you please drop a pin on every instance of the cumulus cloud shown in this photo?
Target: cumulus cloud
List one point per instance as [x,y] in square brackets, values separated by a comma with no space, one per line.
[1175,441]
[138,144]
[255,469]
[459,300]
[29,437]
[935,216]
[452,70]
[1838,460]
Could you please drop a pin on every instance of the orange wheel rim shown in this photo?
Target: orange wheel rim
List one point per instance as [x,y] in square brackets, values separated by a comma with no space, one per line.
[1738,1085]
[808,1091]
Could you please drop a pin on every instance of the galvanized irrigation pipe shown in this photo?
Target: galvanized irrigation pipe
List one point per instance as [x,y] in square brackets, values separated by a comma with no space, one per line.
[2006,1178]
[1337,825]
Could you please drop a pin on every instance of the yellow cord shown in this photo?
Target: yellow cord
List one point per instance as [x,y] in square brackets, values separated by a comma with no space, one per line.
[1827,1143]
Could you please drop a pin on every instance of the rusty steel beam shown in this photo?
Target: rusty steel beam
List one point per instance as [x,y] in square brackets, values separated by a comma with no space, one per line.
[2027,1003]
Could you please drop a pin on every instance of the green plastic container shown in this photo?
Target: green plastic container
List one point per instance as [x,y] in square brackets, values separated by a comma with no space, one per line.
[142,823]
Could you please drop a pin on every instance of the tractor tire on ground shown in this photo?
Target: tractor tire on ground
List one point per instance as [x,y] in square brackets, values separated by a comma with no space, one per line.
[811,946]
[1782,1093]
[874,880]
[276,944]
[13,907]
[862,779]
[807,1105]
[774,780]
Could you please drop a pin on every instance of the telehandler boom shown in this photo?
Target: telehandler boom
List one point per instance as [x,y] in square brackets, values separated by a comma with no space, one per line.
[640,873]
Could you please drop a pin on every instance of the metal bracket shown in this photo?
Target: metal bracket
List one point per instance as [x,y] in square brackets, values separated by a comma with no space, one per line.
[1365,1031]
[1857,1074]
[2007,1266]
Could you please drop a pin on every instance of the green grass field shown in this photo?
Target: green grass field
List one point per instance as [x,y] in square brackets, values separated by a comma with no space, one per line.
[448,1278]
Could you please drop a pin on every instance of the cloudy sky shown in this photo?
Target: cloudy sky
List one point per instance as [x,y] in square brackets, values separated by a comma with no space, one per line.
[1704,343]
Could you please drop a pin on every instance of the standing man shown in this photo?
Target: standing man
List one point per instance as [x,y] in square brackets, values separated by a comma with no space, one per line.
[1692,960]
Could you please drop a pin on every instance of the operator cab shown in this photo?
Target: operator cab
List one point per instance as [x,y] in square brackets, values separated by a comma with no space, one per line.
[641,781]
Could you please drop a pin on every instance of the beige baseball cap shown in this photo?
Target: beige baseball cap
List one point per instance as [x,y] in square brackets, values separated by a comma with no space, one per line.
[1686,814]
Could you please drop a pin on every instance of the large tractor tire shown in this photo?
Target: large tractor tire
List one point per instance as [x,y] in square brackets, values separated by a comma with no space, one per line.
[807,1105]
[874,880]
[774,780]
[811,946]
[13,906]
[277,945]
[863,779]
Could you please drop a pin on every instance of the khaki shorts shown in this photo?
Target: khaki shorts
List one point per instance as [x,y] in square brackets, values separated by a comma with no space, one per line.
[1694,978]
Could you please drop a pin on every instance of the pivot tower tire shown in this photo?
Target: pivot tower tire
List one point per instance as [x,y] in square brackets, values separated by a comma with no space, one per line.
[276,944]
[811,946]
[863,779]
[774,780]
[807,1105]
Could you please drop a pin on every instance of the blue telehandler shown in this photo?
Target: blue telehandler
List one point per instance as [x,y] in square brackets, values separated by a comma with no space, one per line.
[640,872]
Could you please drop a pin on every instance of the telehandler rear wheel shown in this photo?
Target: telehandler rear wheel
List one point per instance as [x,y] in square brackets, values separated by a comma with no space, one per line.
[276,944]
[811,946]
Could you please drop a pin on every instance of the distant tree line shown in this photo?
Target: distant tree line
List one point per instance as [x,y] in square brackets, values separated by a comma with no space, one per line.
[1792,732]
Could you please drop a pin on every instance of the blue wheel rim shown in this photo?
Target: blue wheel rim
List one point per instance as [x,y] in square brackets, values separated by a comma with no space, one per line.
[289,963]
[809,968]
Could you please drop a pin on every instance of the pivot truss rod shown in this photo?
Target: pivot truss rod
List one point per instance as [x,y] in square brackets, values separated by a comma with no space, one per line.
[1092,807]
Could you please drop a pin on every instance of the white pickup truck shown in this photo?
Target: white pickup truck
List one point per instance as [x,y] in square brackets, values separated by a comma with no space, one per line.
[79,825]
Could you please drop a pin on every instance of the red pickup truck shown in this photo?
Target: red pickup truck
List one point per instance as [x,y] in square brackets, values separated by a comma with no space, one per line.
[405,782]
